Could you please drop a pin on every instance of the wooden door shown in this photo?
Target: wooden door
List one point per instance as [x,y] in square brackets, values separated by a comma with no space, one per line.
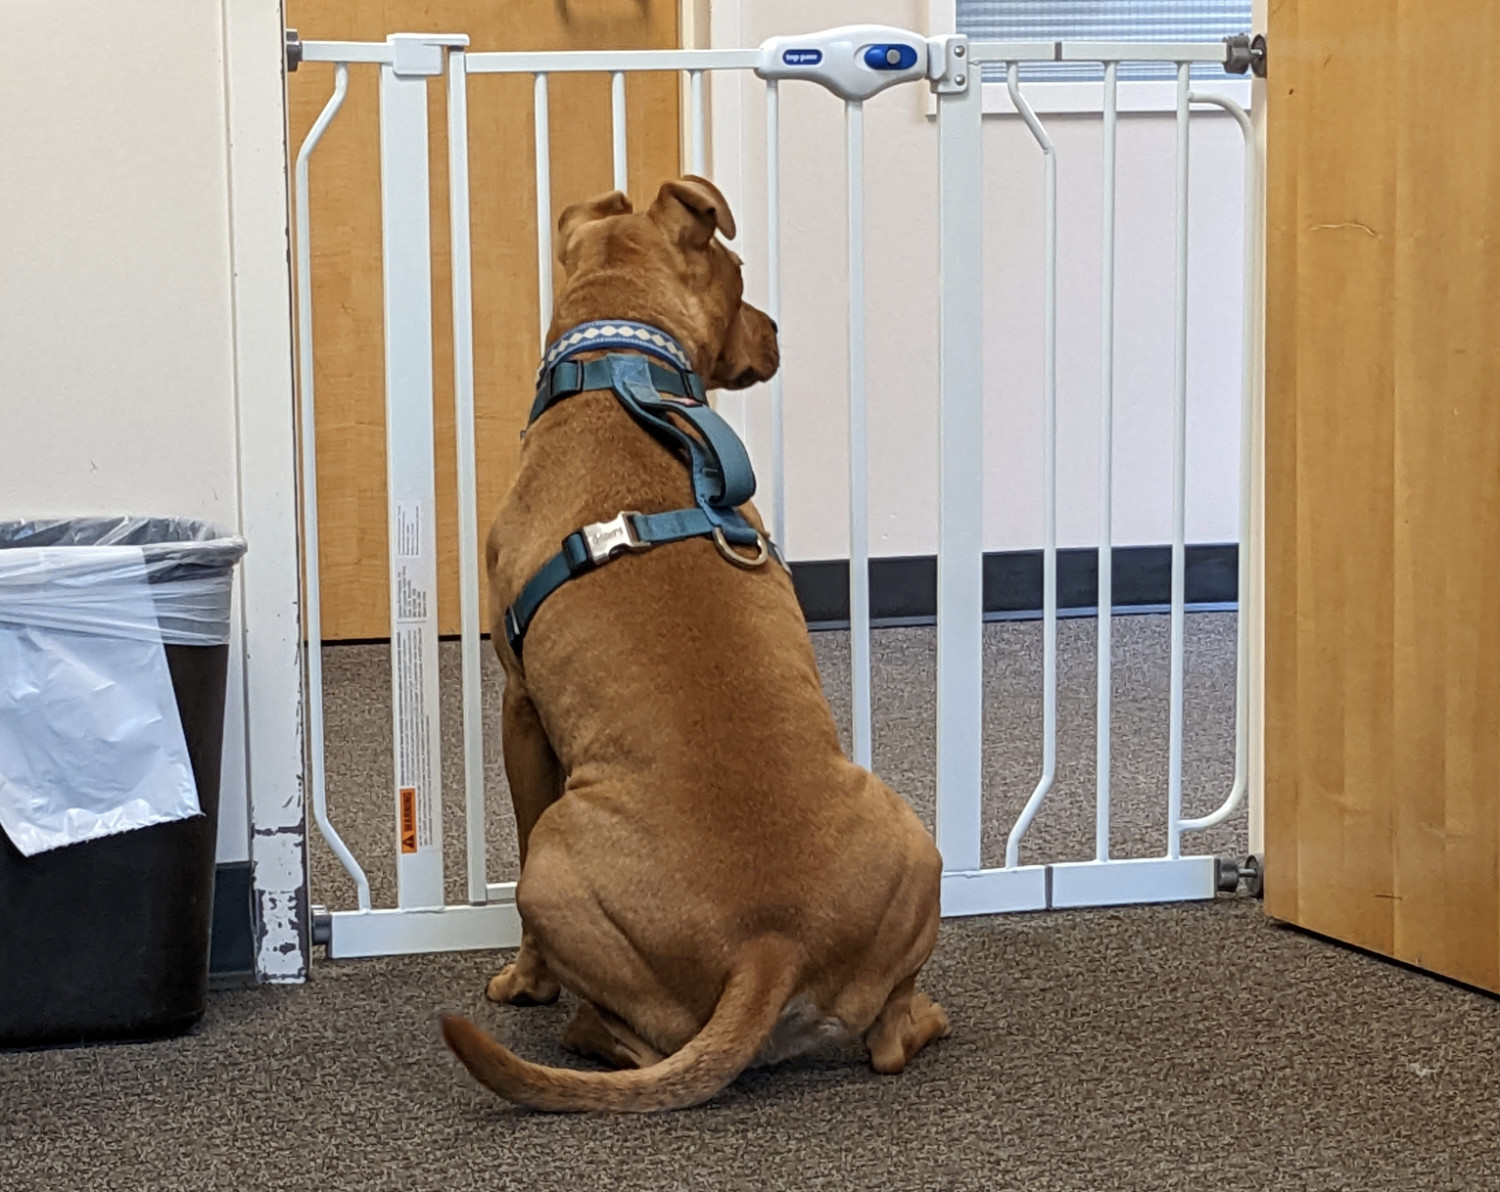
[1383,478]
[345,240]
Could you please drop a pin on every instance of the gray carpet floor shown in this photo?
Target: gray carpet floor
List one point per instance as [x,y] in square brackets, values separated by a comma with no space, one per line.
[1183,1047]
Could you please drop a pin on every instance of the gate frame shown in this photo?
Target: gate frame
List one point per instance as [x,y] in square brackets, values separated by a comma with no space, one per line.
[421,922]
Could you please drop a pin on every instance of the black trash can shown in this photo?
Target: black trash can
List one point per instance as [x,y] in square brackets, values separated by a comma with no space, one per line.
[108,939]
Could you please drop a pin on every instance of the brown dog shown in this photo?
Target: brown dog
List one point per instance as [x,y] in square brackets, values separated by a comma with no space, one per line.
[701,865]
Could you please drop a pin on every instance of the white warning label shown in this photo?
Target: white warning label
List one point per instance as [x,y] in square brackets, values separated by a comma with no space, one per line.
[414,760]
[408,543]
[414,674]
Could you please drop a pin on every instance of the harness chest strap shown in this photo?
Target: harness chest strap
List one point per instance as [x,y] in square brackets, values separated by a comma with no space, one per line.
[722,475]
[596,544]
[718,463]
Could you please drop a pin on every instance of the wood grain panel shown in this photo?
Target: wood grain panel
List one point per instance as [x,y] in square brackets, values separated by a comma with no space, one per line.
[1383,479]
[345,235]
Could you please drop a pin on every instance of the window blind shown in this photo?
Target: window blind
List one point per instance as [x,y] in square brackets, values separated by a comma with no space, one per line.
[1101,20]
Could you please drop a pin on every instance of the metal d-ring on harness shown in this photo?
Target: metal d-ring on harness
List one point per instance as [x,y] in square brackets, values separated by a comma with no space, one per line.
[652,390]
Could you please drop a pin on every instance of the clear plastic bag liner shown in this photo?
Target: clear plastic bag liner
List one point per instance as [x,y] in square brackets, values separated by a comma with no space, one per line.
[74,575]
[91,742]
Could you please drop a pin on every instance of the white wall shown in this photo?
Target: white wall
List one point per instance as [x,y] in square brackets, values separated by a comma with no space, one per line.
[902,296]
[117,379]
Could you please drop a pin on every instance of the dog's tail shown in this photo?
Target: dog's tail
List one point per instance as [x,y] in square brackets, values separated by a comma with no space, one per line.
[753,998]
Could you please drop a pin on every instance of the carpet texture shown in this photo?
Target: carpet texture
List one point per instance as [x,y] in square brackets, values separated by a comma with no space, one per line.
[1184,1047]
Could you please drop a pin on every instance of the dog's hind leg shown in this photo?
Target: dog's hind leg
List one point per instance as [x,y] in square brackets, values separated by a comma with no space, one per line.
[536,782]
[909,1021]
[600,1035]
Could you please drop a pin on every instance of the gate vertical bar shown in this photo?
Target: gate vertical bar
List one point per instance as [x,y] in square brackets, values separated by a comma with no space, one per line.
[1049,474]
[960,578]
[1179,478]
[467,463]
[859,522]
[700,138]
[543,145]
[308,426]
[618,130]
[1106,476]
[1246,583]
[411,487]
[773,306]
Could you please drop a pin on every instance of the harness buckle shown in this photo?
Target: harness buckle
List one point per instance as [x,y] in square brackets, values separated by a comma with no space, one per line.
[606,539]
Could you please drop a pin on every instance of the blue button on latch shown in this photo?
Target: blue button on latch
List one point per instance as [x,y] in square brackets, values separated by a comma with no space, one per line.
[890,57]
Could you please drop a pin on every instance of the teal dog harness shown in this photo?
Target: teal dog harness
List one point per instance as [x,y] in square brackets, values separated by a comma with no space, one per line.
[653,383]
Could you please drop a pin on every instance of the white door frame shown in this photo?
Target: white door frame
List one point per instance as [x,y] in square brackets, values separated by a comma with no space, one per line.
[255,97]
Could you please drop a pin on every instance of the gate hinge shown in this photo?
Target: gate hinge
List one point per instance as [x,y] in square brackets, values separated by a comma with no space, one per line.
[948,64]
[1243,53]
[1231,874]
[293,50]
[322,927]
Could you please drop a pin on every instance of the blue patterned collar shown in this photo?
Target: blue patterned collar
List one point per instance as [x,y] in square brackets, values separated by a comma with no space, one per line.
[614,333]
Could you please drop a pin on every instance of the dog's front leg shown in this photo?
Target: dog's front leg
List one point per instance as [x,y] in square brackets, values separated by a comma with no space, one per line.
[536,782]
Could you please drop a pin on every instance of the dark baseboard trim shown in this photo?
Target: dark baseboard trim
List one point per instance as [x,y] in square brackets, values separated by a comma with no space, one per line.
[231,953]
[903,591]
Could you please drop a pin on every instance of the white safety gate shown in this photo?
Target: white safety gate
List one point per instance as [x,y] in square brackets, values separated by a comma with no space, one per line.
[853,63]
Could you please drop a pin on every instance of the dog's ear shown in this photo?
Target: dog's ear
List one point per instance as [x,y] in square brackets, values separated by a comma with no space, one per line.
[580,214]
[691,210]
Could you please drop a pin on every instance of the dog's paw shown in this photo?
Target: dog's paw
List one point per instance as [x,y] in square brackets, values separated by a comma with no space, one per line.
[520,985]
[924,1008]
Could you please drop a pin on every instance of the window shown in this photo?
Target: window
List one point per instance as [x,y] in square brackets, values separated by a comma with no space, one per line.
[1101,20]
[1076,86]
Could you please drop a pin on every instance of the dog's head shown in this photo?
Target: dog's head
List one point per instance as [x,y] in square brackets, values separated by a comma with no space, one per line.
[667,267]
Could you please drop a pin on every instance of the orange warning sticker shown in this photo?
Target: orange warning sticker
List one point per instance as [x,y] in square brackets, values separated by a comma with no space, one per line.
[408,819]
